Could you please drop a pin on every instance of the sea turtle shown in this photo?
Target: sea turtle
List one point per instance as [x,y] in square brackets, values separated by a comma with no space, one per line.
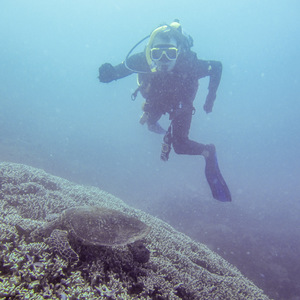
[91,225]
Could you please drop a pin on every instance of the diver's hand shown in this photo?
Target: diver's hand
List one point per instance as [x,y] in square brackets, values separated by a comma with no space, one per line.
[209,103]
[107,73]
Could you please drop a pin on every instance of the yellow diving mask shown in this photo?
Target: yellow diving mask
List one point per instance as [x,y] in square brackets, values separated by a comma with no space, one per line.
[171,53]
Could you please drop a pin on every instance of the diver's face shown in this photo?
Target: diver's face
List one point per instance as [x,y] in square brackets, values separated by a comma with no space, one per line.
[166,54]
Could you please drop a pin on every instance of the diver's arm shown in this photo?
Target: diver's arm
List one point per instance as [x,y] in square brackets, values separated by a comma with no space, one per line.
[210,68]
[108,73]
[213,69]
[215,73]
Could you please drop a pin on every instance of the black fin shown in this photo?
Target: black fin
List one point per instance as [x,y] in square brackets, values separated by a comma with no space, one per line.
[218,186]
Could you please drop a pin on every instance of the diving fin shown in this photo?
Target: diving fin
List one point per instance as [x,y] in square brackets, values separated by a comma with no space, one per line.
[218,186]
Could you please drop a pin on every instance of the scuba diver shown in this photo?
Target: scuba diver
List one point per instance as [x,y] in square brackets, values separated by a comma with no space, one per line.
[168,73]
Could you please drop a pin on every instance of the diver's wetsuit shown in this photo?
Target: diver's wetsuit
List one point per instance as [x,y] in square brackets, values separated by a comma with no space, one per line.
[173,92]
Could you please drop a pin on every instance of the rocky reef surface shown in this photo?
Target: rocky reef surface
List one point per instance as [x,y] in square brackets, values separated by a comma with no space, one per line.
[178,268]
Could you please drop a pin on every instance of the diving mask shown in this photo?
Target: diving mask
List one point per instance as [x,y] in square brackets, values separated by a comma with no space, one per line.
[156,54]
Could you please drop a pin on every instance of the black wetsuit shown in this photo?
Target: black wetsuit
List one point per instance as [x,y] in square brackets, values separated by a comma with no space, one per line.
[173,92]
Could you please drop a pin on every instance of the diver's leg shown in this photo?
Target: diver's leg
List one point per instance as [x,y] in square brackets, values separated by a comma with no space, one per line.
[180,132]
[183,145]
[152,113]
[156,128]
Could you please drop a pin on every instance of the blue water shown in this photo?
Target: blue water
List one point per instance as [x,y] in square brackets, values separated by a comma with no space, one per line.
[55,115]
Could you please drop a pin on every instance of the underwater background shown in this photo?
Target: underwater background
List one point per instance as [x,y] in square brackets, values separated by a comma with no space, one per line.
[55,115]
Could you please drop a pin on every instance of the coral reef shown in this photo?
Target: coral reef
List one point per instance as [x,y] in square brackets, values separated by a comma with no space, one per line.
[178,268]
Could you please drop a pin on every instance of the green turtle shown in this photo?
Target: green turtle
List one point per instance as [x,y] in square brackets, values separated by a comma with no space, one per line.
[91,225]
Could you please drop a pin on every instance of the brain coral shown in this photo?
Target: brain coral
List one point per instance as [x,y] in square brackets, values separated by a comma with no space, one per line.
[179,268]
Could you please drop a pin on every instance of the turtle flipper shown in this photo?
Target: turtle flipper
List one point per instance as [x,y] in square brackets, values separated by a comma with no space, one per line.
[59,243]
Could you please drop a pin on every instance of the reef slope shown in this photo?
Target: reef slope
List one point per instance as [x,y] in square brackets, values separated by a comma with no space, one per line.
[179,268]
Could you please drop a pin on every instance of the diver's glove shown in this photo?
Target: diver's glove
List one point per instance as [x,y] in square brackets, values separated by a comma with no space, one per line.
[107,73]
[209,103]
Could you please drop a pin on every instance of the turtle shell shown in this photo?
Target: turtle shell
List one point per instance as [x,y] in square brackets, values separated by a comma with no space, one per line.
[101,226]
